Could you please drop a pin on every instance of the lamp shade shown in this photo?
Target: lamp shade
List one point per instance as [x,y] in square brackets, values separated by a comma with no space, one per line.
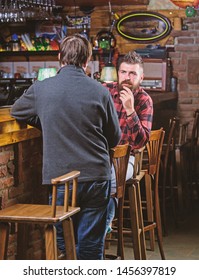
[46,73]
[108,74]
[185,3]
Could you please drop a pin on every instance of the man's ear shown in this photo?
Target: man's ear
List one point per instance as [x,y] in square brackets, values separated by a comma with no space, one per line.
[58,56]
[84,65]
[142,78]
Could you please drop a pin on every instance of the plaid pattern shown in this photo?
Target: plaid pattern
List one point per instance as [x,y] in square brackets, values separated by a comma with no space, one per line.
[136,128]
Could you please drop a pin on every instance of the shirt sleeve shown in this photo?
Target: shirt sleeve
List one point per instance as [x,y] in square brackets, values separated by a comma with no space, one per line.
[139,125]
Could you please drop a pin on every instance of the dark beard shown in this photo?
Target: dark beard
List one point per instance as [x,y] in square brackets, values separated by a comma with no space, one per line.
[129,85]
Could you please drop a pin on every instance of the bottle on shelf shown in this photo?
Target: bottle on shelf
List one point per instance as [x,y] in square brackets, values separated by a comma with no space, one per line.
[15,43]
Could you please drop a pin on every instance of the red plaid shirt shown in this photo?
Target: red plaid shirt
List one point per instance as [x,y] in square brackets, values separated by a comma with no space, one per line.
[136,128]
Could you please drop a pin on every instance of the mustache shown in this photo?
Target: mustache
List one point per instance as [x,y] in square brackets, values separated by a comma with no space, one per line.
[127,82]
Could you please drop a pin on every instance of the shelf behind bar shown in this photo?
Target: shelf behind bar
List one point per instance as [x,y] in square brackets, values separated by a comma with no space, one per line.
[35,53]
[27,53]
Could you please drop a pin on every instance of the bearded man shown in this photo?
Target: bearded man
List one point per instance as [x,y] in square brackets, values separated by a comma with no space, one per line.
[134,109]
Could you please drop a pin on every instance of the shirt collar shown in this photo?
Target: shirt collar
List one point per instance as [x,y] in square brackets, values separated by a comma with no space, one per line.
[63,68]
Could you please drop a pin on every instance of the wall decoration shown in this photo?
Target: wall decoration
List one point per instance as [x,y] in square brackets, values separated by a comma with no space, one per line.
[185,3]
[78,22]
[143,27]
[190,11]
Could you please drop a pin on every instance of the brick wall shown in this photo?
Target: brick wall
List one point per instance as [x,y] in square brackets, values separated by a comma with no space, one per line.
[185,61]
[20,181]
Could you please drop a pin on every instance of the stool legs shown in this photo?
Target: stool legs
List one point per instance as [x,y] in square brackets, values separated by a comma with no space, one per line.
[4,234]
[149,206]
[69,239]
[156,217]
[50,242]
[159,226]
[137,226]
[120,249]
[22,241]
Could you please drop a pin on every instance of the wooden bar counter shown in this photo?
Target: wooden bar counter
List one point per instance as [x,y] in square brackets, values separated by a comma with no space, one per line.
[165,107]
[160,97]
[21,176]
[12,131]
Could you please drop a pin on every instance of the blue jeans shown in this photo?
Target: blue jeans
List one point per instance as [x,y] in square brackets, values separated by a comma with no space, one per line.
[90,222]
[113,201]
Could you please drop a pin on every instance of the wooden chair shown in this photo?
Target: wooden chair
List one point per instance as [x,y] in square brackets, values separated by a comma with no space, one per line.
[167,167]
[193,154]
[119,158]
[186,156]
[48,215]
[180,164]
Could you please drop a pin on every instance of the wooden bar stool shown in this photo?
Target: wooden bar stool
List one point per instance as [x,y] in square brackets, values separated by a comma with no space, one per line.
[134,207]
[153,221]
[119,158]
[150,175]
[48,215]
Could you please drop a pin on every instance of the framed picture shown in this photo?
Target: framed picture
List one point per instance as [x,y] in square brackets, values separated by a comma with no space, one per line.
[144,27]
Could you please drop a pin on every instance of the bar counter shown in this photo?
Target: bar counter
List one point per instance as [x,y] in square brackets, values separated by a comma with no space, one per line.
[21,175]
[165,107]
[12,131]
[160,97]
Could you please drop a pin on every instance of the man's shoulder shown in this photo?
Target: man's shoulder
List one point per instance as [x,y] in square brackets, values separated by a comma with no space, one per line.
[142,97]
[143,94]
[96,87]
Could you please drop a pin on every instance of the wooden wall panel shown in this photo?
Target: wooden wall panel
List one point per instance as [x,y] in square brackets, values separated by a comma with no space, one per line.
[100,20]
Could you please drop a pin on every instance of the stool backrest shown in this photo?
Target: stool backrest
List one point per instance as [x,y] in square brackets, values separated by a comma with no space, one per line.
[154,150]
[119,156]
[65,179]
[182,132]
[169,145]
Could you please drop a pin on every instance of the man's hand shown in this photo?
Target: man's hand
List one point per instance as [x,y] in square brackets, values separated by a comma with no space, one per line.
[127,98]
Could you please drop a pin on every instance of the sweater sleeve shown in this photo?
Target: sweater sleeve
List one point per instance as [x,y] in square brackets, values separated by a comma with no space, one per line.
[112,129]
[24,108]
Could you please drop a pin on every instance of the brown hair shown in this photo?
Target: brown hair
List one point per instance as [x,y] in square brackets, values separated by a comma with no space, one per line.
[75,50]
[131,58]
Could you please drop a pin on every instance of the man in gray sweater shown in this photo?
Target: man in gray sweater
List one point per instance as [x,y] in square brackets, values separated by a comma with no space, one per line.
[79,125]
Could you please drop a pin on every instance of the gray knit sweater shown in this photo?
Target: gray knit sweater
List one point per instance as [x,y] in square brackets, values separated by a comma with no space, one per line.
[79,123]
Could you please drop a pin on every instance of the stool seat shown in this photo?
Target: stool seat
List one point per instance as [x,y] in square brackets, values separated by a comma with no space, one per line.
[30,213]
